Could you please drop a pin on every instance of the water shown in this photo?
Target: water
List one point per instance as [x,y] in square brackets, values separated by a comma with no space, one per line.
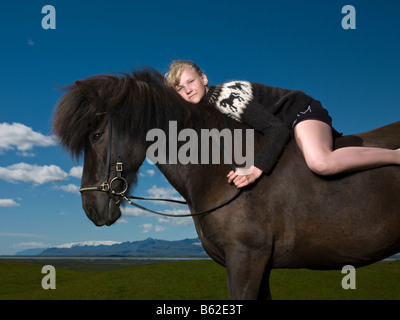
[121,259]
[100,258]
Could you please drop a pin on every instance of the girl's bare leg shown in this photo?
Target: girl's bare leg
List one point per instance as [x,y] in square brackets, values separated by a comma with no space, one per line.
[314,139]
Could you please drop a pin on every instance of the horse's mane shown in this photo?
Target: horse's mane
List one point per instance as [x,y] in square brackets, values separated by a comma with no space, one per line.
[138,101]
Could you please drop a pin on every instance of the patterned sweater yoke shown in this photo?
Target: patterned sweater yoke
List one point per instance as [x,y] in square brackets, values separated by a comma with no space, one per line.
[269,110]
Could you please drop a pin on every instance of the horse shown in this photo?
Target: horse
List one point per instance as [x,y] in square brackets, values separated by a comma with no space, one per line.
[291,218]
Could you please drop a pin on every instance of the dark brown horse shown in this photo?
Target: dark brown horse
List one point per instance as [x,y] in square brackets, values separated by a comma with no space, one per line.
[291,218]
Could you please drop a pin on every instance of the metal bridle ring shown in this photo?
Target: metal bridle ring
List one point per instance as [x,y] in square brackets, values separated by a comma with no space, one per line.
[118,193]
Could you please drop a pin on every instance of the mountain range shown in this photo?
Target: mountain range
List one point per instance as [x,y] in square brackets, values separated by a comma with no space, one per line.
[148,247]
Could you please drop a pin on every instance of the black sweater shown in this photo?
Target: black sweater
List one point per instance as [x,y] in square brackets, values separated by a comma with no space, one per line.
[269,110]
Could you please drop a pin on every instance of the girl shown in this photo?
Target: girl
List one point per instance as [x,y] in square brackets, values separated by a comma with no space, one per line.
[274,112]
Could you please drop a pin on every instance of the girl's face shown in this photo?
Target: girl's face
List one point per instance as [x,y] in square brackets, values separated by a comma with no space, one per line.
[192,87]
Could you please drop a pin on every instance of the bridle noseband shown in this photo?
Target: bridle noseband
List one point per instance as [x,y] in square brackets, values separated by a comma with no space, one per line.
[107,186]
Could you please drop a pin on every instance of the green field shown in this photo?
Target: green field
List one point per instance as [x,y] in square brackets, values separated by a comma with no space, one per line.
[188,280]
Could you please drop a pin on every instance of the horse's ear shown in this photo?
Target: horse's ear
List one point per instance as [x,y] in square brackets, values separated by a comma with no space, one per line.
[87,90]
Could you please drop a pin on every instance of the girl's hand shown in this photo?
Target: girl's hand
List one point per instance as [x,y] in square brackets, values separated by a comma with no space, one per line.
[244,177]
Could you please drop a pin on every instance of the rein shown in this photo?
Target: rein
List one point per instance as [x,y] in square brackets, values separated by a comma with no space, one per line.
[181,202]
[107,186]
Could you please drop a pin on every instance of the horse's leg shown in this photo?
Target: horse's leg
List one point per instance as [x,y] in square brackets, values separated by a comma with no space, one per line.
[265,291]
[248,277]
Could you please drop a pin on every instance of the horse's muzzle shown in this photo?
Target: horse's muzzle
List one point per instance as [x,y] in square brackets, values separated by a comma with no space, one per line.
[100,209]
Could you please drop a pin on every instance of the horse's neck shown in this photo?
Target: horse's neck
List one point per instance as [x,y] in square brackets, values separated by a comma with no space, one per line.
[191,180]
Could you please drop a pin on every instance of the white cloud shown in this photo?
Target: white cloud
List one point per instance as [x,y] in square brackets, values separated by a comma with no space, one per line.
[176,221]
[76,172]
[23,138]
[30,245]
[15,234]
[177,209]
[134,212]
[173,221]
[146,227]
[150,172]
[8,203]
[30,43]
[71,188]
[164,193]
[161,192]
[159,229]
[32,173]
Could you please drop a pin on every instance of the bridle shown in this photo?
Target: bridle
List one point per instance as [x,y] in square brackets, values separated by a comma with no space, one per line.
[108,186]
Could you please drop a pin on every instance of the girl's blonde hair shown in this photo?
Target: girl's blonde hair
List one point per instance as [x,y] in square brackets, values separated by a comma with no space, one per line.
[173,76]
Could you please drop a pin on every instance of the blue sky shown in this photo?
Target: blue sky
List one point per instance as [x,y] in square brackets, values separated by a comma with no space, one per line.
[286,43]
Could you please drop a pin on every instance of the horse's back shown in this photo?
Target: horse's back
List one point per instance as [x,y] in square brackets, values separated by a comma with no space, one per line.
[383,137]
[326,222]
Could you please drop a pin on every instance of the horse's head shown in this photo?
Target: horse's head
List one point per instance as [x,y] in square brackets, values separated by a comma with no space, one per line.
[89,120]
[106,177]
[133,105]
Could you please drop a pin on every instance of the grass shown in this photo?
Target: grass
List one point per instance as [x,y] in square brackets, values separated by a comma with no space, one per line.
[187,280]
[169,280]
[380,281]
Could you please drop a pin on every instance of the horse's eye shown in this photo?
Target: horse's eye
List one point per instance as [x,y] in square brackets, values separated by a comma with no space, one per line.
[96,137]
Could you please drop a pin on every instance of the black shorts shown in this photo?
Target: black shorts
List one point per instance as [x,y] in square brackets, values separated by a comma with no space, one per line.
[314,111]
